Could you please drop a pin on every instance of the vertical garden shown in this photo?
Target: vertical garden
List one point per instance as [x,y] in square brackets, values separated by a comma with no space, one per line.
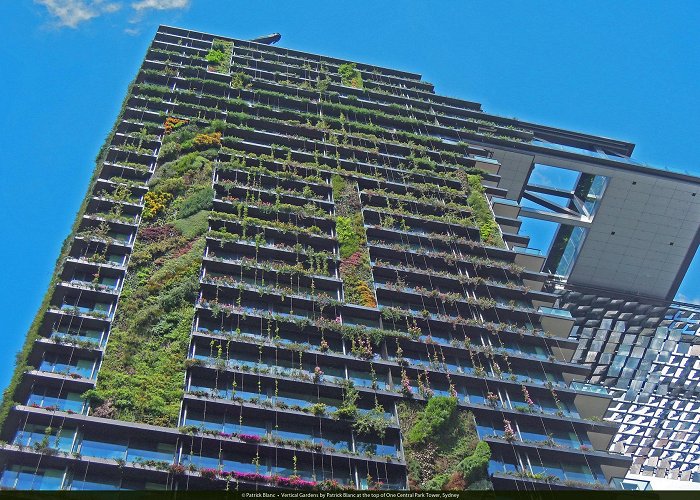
[143,371]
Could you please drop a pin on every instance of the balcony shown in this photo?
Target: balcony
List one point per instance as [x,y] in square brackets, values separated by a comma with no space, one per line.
[529,258]
[585,387]
[557,322]
[504,207]
[81,337]
[591,400]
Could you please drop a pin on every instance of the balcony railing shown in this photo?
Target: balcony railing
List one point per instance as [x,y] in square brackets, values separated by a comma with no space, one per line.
[585,387]
[563,313]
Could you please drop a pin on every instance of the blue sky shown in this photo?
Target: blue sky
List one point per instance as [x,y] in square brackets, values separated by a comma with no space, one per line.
[626,69]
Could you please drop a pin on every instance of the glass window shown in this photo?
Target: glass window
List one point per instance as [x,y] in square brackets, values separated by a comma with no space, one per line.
[578,472]
[149,450]
[102,448]
[96,483]
[337,440]
[366,445]
[566,438]
[44,397]
[201,461]
[94,336]
[242,463]
[41,436]
[22,477]
[115,259]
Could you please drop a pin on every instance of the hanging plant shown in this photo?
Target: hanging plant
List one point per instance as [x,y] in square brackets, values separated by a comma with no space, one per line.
[508,433]
[526,396]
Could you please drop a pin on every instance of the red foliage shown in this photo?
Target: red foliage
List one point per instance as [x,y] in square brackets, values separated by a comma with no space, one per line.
[182,250]
[354,260]
[456,482]
[151,234]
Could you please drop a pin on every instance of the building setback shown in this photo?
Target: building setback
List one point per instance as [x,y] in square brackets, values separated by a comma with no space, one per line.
[291,271]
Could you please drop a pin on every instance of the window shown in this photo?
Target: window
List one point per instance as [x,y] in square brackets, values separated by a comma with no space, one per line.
[21,477]
[36,435]
[104,449]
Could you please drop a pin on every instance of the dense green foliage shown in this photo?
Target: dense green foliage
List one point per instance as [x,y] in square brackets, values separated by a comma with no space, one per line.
[442,448]
[200,199]
[215,56]
[438,411]
[474,467]
[350,76]
[142,374]
[371,423]
[349,237]
[490,233]
[220,56]
[355,269]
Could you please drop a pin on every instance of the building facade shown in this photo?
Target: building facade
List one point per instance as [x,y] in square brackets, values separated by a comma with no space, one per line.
[293,271]
[647,353]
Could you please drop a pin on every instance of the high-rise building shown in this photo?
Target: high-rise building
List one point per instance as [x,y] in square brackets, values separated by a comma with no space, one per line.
[292,270]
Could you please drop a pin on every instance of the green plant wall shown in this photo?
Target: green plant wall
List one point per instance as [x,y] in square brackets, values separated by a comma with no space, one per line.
[443,450]
[142,374]
[355,269]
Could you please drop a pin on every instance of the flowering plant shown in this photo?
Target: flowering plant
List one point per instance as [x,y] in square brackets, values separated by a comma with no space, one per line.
[318,375]
[508,434]
[171,123]
[492,398]
[209,473]
[406,388]
[526,395]
[177,469]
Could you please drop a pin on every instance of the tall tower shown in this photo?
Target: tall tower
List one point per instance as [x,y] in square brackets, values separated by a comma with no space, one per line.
[294,271]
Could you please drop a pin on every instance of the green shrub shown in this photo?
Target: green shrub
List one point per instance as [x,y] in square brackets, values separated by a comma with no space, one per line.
[194,225]
[348,409]
[481,485]
[436,413]
[219,45]
[240,80]
[216,56]
[488,229]
[201,199]
[437,482]
[475,467]
[350,76]
[348,238]
[371,423]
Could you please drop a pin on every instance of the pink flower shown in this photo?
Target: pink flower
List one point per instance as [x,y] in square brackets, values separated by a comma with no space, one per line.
[509,434]
[526,395]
